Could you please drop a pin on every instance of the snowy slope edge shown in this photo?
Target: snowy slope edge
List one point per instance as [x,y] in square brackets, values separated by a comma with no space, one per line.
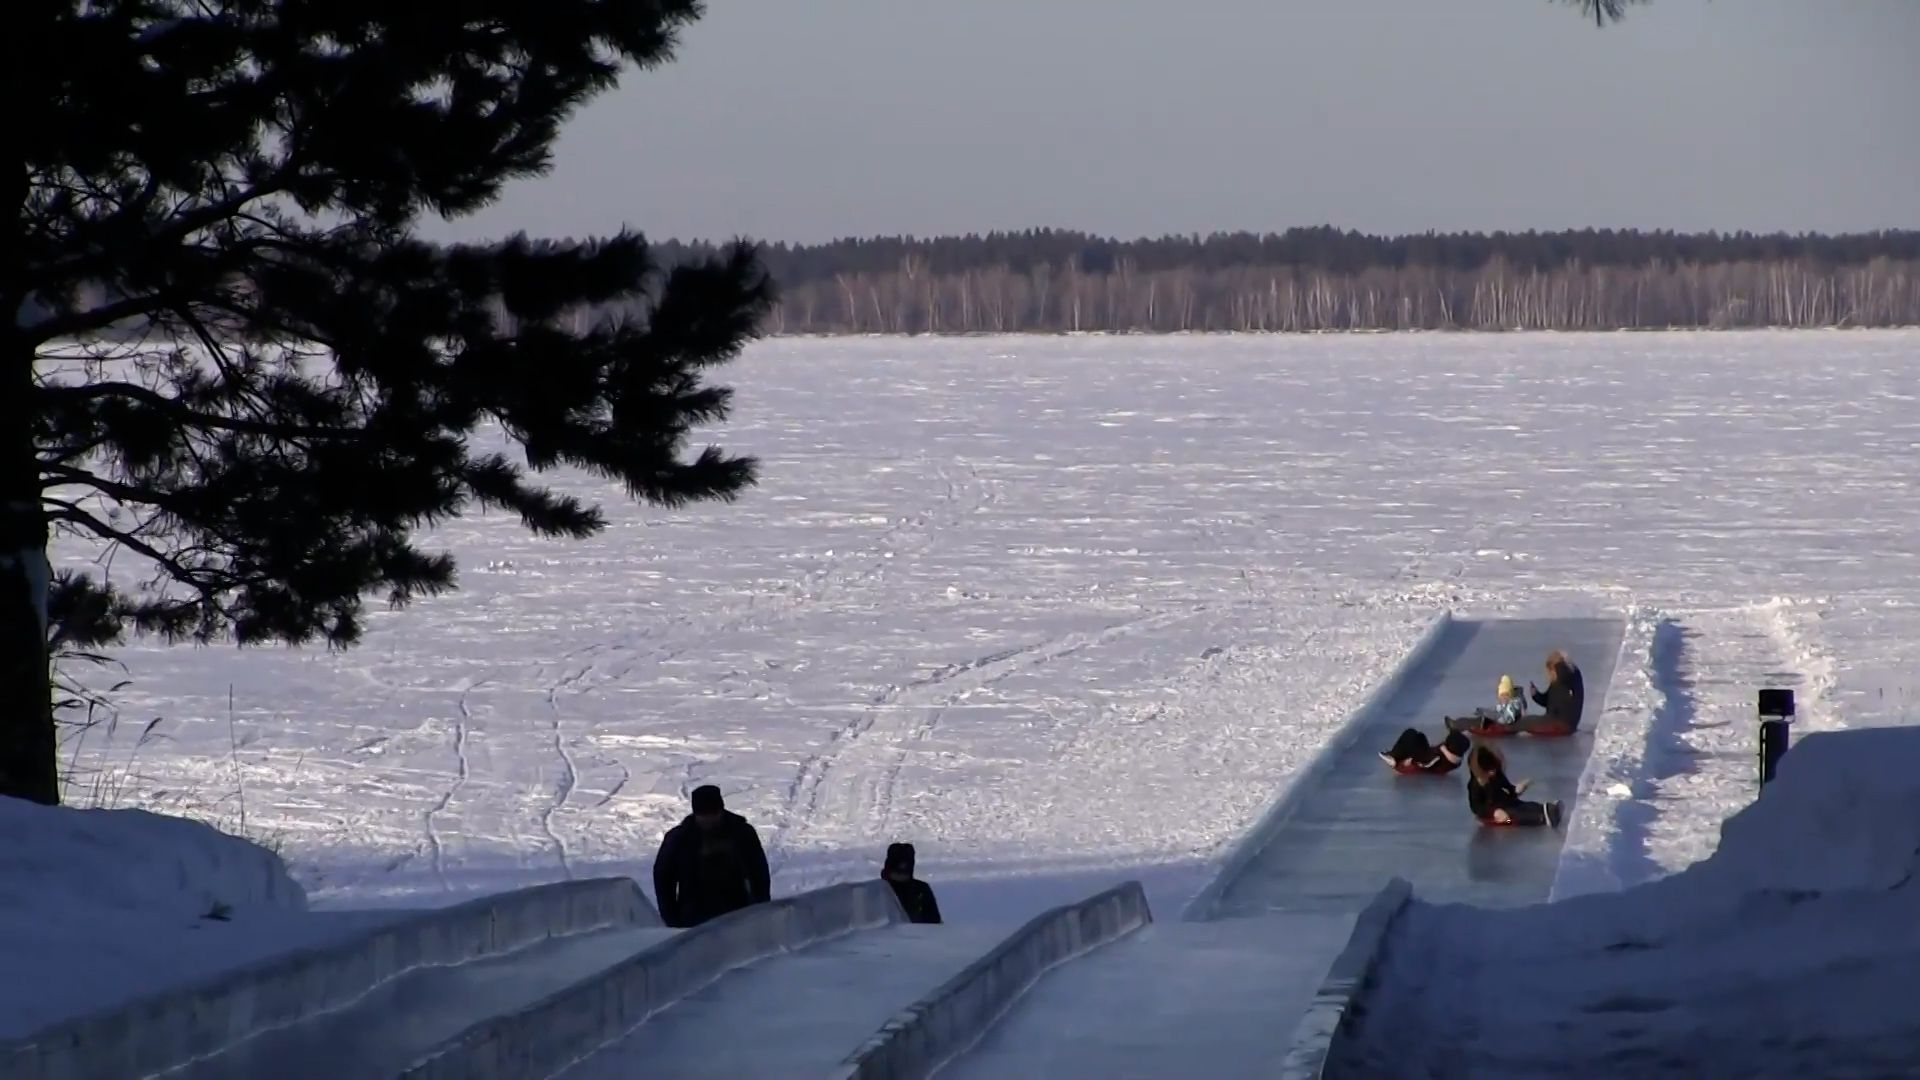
[944,1024]
[567,1026]
[1281,806]
[175,1026]
[1620,724]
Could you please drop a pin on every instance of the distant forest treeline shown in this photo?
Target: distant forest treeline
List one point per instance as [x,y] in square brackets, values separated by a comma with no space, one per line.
[1319,279]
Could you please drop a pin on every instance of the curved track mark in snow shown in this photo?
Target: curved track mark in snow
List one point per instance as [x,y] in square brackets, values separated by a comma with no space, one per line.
[842,572]
[465,770]
[625,775]
[563,790]
[875,746]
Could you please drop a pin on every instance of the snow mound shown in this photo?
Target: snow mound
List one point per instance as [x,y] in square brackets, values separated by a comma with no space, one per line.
[101,907]
[1842,812]
[65,864]
[1784,953]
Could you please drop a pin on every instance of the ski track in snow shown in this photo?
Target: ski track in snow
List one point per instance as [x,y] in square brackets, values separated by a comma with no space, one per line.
[899,632]
[568,771]
[874,746]
[462,770]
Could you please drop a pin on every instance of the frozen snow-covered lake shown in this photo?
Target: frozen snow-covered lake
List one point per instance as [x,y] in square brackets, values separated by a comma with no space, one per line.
[1063,610]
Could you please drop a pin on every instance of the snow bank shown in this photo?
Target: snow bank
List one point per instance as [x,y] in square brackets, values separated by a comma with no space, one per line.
[1789,951]
[138,941]
[68,864]
[98,907]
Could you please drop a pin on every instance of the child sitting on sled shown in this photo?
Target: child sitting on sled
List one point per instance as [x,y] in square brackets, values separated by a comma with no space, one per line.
[1496,800]
[1504,718]
[1413,753]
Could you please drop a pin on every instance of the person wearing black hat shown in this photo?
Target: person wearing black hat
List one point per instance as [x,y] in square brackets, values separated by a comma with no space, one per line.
[709,864]
[916,897]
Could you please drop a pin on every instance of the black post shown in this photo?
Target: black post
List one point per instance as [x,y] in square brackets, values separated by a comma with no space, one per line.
[1776,712]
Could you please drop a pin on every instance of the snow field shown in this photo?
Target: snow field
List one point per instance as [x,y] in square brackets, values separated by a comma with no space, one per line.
[1064,611]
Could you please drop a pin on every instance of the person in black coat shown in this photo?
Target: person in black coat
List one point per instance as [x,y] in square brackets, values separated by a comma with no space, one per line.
[1564,699]
[916,896]
[1496,800]
[709,864]
[1413,753]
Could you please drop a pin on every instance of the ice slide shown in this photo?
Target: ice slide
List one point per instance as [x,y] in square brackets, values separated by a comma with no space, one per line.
[383,1033]
[1172,999]
[792,1014]
[1219,995]
[1350,824]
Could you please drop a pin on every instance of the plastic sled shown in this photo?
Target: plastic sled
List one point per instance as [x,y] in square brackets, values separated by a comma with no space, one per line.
[1497,731]
[1555,817]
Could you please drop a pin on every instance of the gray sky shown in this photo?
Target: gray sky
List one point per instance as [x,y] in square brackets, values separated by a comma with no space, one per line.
[810,119]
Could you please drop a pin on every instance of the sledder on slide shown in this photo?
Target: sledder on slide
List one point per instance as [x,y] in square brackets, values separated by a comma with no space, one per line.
[1495,800]
[1412,754]
[1564,699]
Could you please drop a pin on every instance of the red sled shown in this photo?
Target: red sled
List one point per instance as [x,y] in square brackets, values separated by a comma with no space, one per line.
[1409,768]
[1497,731]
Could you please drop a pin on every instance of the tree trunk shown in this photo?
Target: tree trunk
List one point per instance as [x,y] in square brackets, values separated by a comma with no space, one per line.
[27,747]
[27,769]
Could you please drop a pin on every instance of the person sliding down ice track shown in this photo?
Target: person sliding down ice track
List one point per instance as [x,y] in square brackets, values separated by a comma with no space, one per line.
[1564,699]
[1495,800]
[1505,718]
[1412,754]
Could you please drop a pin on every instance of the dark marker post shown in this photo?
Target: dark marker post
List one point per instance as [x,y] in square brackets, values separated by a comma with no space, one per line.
[1776,712]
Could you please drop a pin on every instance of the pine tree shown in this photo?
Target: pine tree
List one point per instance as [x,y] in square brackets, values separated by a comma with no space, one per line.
[233,357]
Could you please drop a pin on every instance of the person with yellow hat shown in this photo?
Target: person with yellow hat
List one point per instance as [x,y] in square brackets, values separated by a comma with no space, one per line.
[1507,714]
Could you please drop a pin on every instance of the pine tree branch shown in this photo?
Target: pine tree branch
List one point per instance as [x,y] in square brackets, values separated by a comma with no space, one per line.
[184,416]
[174,228]
[113,489]
[72,514]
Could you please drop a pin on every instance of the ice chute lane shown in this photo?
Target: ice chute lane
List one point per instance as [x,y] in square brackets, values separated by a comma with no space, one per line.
[379,1035]
[1173,1000]
[1351,825]
[792,1014]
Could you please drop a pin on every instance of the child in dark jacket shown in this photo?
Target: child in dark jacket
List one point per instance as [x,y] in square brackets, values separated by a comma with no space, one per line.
[915,896]
[1496,800]
[1413,753]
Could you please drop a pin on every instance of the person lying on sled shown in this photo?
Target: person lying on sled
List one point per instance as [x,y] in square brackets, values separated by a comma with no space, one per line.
[1496,800]
[1412,753]
[1507,717]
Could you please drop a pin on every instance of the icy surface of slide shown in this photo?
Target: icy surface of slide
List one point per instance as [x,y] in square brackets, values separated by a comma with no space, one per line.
[1171,1000]
[1354,824]
[796,1014]
[400,1021]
